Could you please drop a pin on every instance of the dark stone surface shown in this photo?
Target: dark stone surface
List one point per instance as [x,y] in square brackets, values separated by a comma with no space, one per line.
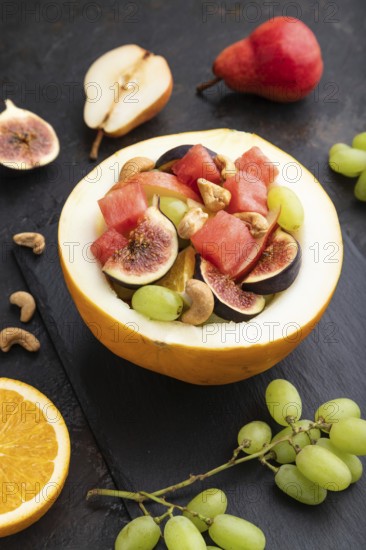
[151,438]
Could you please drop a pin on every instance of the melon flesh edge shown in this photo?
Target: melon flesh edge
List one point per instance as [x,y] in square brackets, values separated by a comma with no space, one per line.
[320,239]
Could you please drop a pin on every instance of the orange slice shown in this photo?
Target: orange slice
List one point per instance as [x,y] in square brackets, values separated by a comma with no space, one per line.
[181,271]
[34,455]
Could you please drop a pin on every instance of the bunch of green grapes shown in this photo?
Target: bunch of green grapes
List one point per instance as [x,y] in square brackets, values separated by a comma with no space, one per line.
[351,162]
[312,456]
[205,512]
[311,462]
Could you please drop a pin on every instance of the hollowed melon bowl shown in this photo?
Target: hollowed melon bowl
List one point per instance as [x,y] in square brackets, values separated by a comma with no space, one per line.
[216,353]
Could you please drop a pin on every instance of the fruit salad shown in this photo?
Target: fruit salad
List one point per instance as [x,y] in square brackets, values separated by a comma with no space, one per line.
[197,234]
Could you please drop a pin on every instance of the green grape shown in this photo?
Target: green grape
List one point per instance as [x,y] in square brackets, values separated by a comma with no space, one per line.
[213,548]
[349,435]
[181,534]
[292,482]
[352,461]
[258,433]
[349,162]
[291,216]
[232,533]
[359,141]
[209,503]
[285,453]
[283,400]
[157,302]
[174,209]
[337,147]
[360,187]
[323,467]
[336,409]
[140,534]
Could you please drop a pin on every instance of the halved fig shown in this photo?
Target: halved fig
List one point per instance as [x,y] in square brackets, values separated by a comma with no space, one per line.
[26,140]
[166,160]
[150,252]
[231,302]
[278,266]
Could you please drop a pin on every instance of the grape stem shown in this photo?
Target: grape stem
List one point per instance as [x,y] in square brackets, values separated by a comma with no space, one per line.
[263,455]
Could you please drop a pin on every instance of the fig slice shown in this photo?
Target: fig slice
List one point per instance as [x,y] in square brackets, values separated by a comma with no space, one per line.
[150,252]
[167,159]
[232,303]
[26,140]
[278,266]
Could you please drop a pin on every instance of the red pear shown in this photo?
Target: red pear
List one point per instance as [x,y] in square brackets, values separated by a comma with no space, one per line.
[280,60]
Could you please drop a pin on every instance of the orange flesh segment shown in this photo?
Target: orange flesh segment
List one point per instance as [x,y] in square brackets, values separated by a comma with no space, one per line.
[28,447]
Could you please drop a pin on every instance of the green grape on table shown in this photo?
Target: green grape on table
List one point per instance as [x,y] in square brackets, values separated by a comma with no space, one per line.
[360,187]
[323,467]
[258,433]
[209,504]
[359,141]
[292,482]
[349,162]
[158,302]
[233,533]
[141,533]
[283,401]
[352,461]
[349,435]
[291,216]
[334,410]
[173,208]
[285,452]
[337,147]
[181,534]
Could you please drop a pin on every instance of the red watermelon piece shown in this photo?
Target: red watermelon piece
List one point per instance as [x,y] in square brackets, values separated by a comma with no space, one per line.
[123,208]
[107,244]
[226,242]
[256,163]
[248,194]
[196,163]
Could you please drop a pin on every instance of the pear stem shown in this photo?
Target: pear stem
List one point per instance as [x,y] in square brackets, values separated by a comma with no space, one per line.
[96,144]
[201,87]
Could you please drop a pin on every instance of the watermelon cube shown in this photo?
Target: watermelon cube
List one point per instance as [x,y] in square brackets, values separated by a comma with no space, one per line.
[196,163]
[107,244]
[226,242]
[248,194]
[256,163]
[123,208]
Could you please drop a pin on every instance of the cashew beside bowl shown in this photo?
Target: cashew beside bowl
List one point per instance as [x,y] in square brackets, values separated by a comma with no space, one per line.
[26,302]
[14,335]
[36,241]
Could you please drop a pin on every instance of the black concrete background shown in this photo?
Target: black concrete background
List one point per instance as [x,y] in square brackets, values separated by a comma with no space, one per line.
[45,50]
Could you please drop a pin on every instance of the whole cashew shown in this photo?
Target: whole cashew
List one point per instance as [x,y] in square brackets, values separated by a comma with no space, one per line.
[135,166]
[226,166]
[202,302]
[214,196]
[36,241]
[26,303]
[256,223]
[15,335]
[191,222]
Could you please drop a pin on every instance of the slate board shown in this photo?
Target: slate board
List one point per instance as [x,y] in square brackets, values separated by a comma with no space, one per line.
[154,431]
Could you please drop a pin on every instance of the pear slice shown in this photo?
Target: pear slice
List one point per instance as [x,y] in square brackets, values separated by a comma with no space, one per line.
[124,88]
[26,140]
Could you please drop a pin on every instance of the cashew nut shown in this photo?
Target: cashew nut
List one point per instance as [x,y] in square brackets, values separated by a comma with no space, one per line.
[214,196]
[191,222]
[226,166]
[202,303]
[135,166]
[15,335]
[36,241]
[26,303]
[256,223]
